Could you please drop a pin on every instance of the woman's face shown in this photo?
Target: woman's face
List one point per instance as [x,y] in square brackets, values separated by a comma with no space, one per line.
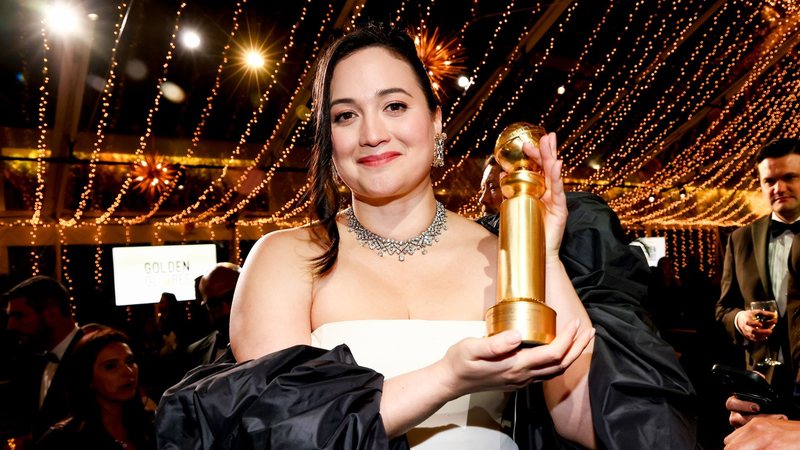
[115,373]
[382,129]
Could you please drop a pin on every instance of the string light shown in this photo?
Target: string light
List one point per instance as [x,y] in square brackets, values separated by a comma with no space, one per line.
[98,258]
[102,123]
[149,121]
[622,110]
[41,152]
[64,257]
[183,215]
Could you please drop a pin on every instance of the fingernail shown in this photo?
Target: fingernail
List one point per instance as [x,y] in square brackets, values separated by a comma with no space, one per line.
[754,408]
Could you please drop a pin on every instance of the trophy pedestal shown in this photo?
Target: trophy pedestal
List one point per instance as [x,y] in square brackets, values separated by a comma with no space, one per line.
[535,320]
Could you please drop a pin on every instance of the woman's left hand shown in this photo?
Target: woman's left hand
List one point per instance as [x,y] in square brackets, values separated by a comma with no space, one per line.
[554,199]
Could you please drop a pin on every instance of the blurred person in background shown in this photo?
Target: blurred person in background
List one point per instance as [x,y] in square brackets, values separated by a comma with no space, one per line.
[216,294]
[106,408]
[39,318]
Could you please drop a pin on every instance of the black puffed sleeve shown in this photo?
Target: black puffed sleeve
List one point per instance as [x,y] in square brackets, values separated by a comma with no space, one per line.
[298,398]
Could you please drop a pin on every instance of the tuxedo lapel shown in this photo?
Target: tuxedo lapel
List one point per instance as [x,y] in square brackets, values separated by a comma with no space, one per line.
[759,233]
[793,305]
[55,407]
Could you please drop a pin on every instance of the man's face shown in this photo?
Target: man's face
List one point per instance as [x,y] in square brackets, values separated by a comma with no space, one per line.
[780,185]
[491,196]
[25,323]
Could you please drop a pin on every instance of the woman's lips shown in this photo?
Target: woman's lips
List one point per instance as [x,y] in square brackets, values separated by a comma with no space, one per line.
[379,159]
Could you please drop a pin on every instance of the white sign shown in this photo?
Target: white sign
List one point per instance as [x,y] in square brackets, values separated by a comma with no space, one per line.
[654,248]
[142,274]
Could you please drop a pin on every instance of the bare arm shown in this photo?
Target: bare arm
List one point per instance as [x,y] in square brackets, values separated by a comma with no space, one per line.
[567,396]
[272,304]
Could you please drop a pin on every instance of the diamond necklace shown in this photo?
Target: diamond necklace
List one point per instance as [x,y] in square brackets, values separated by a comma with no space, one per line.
[383,245]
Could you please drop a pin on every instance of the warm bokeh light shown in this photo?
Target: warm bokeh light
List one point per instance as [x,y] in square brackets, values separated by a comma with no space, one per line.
[63,18]
[254,60]
[190,39]
[173,92]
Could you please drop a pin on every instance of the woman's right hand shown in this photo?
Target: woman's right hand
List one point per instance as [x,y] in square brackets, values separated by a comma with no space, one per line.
[498,363]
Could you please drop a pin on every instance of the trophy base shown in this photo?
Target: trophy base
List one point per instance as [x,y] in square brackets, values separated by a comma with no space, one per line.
[535,320]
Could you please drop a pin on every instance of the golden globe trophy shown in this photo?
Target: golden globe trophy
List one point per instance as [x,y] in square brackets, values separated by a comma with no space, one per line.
[520,263]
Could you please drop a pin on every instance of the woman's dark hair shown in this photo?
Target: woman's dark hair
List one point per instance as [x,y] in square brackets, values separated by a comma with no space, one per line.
[81,396]
[325,198]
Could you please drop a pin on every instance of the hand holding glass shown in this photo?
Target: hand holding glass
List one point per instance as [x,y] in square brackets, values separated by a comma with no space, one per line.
[767,315]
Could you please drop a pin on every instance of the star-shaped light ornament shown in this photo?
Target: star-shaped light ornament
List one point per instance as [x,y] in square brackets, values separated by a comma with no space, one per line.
[442,57]
[152,175]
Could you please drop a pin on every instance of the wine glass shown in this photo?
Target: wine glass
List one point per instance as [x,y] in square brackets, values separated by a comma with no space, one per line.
[767,315]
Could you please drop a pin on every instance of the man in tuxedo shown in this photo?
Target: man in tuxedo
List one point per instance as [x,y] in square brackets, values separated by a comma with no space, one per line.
[39,316]
[640,395]
[771,430]
[216,292]
[756,267]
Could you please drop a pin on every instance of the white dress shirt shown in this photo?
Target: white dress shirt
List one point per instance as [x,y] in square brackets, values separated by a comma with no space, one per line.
[778,251]
[779,248]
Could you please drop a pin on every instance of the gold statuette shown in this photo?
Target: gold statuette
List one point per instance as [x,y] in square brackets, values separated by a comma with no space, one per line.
[520,263]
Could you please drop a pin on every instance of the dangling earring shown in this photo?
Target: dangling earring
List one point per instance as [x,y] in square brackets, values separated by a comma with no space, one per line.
[438,149]
[335,175]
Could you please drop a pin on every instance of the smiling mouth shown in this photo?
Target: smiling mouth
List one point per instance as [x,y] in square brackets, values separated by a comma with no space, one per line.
[379,159]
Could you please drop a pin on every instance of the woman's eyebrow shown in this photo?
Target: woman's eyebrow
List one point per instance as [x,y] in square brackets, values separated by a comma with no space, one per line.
[381,93]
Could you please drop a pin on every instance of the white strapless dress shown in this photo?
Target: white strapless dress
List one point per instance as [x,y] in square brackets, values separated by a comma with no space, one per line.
[394,347]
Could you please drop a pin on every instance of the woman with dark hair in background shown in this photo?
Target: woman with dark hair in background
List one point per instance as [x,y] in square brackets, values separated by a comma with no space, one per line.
[108,410]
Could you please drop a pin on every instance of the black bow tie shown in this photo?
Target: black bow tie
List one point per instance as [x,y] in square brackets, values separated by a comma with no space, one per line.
[778,228]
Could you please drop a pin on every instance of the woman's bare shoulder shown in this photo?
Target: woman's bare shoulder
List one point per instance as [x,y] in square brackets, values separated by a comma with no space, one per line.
[468,228]
[272,302]
[298,242]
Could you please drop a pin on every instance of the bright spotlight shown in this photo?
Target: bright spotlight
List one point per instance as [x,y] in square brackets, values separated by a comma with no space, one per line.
[173,92]
[190,39]
[62,18]
[254,60]
[561,89]
[463,82]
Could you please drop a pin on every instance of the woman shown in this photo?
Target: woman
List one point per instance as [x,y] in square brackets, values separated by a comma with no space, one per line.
[108,410]
[347,279]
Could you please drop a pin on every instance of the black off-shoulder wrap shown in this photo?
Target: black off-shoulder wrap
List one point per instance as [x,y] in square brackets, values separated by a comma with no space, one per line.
[301,397]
